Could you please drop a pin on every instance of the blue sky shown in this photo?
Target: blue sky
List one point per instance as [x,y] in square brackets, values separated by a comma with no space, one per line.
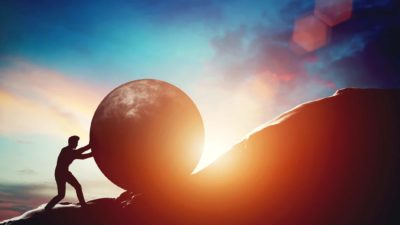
[58,59]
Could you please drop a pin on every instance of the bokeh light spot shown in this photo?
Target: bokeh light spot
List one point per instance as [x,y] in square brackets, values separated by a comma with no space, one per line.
[333,12]
[310,33]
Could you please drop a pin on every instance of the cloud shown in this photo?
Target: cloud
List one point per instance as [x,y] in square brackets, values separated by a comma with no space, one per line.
[363,52]
[257,53]
[27,172]
[255,73]
[253,76]
[373,49]
[36,100]
[16,199]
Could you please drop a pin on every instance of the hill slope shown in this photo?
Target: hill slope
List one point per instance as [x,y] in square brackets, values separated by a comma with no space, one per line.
[330,161]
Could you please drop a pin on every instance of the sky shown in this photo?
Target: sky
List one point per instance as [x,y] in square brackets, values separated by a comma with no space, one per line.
[242,62]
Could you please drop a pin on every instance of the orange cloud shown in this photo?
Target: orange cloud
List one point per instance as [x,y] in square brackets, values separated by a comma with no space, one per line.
[36,100]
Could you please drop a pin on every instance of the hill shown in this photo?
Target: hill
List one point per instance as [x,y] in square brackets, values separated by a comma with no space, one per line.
[331,161]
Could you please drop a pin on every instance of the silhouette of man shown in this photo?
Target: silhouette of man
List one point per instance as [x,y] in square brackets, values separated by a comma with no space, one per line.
[63,175]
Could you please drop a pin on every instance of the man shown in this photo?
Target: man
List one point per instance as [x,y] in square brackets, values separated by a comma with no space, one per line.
[63,175]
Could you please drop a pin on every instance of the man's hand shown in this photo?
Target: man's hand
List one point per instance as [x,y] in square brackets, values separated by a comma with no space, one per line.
[85,156]
[84,148]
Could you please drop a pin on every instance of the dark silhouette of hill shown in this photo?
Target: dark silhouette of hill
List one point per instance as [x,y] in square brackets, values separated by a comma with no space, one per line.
[332,161]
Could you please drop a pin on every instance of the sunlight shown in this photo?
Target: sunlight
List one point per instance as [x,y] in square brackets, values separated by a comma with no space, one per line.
[213,149]
[230,113]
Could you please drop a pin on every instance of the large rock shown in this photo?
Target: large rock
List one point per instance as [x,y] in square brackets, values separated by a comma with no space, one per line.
[332,161]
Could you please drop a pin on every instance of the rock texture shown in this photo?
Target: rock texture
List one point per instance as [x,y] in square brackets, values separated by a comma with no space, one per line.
[332,161]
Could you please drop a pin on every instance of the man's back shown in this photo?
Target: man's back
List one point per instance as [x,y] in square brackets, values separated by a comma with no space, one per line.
[63,176]
[65,158]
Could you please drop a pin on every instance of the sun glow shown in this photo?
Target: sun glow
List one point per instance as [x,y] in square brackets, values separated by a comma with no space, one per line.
[213,149]
[229,112]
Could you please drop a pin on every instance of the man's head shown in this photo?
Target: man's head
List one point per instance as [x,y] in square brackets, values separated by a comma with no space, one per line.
[73,141]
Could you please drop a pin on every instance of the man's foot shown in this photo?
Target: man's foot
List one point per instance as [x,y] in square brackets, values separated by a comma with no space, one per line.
[83,205]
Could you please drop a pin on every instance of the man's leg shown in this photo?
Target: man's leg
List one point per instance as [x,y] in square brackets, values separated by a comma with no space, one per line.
[74,183]
[59,196]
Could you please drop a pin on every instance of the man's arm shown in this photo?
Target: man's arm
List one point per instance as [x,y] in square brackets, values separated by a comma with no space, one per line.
[83,149]
[85,156]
